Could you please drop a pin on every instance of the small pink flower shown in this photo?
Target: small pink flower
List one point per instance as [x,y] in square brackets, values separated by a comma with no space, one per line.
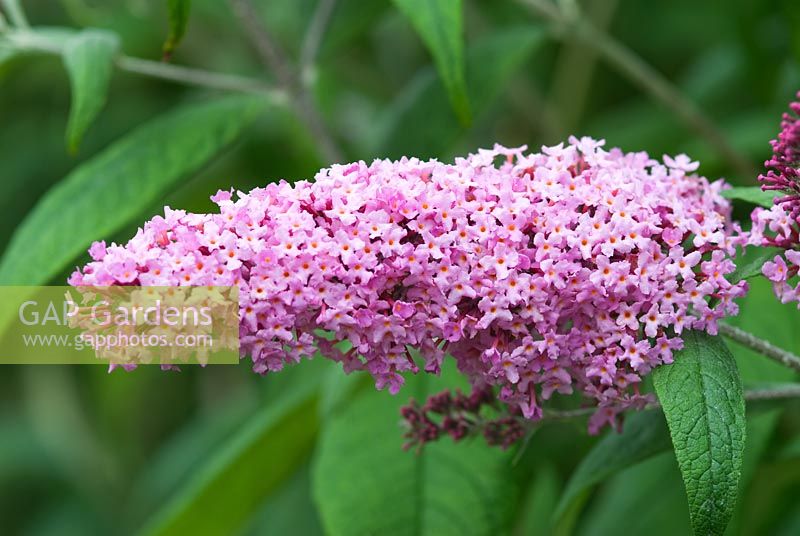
[403,309]
[98,250]
[775,270]
[681,162]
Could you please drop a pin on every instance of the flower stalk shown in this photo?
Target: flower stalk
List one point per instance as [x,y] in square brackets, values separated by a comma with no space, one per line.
[29,41]
[274,59]
[460,416]
[571,25]
[761,346]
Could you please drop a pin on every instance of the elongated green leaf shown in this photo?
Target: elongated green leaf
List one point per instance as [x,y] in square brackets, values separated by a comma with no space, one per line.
[289,511]
[748,265]
[440,25]
[752,194]
[644,435]
[48,37]
[224,493]
[350,20]
[646,499]
[701,394]
[177,458]
[364,483]
[89,59]
[178,13]
[542,497]
[112,188]
[415,123]
[199,443]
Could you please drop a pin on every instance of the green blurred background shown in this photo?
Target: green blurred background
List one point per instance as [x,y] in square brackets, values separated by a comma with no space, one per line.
[85,452]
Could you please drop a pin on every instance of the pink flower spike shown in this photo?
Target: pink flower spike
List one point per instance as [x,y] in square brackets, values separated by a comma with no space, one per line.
[574,268]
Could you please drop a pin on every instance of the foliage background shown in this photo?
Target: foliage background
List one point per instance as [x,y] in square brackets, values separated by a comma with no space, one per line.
[83,452]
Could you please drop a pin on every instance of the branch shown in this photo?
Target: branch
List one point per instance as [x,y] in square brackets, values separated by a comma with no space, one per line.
[198,77]
[530,105]
[643,74]
[31,42]
[274,59]
[575,68]
[269,52]
[315,33]
[761,346]
[783,392]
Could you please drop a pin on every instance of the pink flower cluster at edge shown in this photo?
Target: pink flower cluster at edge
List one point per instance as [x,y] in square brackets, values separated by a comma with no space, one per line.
[779,226]
[574,268]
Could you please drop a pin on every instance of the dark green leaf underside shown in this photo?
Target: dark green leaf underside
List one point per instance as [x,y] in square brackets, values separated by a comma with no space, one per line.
[440,25]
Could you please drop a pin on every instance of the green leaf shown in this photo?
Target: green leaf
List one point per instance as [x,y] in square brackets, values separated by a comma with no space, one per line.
[440,25]
[752,194]
[172,465]
[364,483]
[646,499]
[178,13]
[225,492]
[644,435]
[89,59]
[289,511]
[198,443]
[415,124]
[701,395]
[350,20]
[748,264]
[111,189]
[541,498]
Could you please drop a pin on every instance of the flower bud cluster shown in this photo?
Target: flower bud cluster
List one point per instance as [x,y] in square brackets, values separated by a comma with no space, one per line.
[460,416]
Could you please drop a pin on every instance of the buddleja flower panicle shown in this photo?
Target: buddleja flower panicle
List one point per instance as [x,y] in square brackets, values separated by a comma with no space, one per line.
[573,268]
[783,169]
[779,226]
